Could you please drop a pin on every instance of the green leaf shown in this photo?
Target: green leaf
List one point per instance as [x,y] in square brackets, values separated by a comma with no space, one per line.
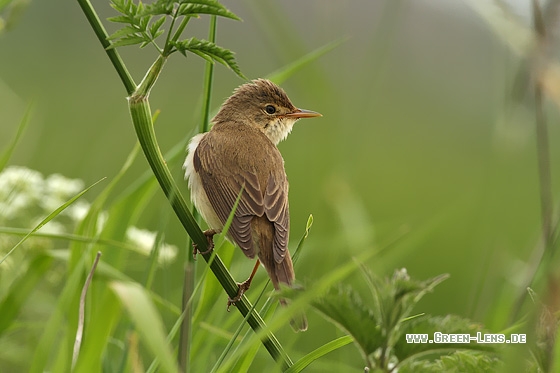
[128,40]
[123,32]
[217,9]
[121,19]
[7,154]
[458,362]
[21,289]
[427,324]
[281,75]
[155,27]
[302,363]
[147,320]
[345,308]
[222,55]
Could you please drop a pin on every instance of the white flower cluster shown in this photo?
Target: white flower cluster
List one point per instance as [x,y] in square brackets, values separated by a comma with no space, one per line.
[26,197]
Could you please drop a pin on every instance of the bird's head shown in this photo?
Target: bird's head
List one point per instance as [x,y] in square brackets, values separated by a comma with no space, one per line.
[265,106]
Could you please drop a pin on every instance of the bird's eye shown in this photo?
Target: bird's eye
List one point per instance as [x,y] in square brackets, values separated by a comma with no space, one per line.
[270,109]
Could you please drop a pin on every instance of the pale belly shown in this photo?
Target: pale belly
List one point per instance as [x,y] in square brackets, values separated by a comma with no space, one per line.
[198,195]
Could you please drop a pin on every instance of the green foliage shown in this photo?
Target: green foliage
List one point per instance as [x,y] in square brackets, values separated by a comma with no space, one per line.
[380,325]
[457,362]
[144,24]
[209,51]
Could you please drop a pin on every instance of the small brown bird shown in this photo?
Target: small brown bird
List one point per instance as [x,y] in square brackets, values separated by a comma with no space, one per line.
[240,153]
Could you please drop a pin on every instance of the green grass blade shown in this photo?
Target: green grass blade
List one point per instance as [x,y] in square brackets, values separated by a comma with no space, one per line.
[7,154]
[21,289]
[51,216]
[281,75]
[147,321]
[302,363]
[68,237]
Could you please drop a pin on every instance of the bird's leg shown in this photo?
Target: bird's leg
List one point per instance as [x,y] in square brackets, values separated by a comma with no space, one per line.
[209,233]
[243,287]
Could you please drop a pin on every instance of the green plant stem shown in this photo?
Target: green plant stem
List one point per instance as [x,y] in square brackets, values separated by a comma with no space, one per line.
[185,335]
[113,55]
[208,78]
[142,118]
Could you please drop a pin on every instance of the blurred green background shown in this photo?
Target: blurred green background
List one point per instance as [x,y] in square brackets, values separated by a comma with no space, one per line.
[419,146]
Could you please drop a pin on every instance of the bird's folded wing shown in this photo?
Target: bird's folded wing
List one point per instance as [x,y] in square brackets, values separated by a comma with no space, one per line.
[223,184]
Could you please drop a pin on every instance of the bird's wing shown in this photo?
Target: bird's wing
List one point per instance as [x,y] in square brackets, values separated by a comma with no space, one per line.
[277,212]
[259,197]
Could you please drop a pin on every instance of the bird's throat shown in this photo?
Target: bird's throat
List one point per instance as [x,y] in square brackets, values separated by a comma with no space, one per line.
[279,129]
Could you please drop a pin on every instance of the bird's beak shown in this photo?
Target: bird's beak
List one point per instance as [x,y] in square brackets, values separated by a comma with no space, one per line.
[302,113]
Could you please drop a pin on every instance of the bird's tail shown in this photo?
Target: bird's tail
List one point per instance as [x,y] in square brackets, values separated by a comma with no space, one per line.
[279,273]
[284,274]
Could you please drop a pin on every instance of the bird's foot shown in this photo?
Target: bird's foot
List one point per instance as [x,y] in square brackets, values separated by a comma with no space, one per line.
[210,238]
[243,287]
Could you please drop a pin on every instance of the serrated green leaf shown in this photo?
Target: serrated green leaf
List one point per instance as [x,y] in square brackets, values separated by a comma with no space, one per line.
[120,19]
[202,55]
[129,40]
[123,33]
[158,34]
[222,55]
[343,306]
[144,21]
[458,362]
[428,324]
[155,27]
[217,9]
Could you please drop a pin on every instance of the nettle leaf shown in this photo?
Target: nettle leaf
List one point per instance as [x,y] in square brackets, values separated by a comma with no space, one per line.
[211,50]
[427,324]
[458,362]
[343,306]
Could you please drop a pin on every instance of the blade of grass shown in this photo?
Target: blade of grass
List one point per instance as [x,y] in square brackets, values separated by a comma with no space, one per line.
[80,331]
[7,154]
[68,237]
[21,289]
[281,75]
[147,321]
[302,363]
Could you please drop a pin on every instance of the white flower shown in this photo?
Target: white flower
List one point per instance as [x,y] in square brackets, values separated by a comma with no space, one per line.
[58,190]
[143,242]
[78,210]
[20,189]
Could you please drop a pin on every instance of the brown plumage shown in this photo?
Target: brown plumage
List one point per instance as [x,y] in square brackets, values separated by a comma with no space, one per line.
[240,152]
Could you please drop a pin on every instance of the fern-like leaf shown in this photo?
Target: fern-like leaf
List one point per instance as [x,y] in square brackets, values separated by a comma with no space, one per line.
[211,50]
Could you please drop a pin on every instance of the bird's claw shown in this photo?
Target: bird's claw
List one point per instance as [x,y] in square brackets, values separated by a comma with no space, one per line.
[210,238]
[243,287]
